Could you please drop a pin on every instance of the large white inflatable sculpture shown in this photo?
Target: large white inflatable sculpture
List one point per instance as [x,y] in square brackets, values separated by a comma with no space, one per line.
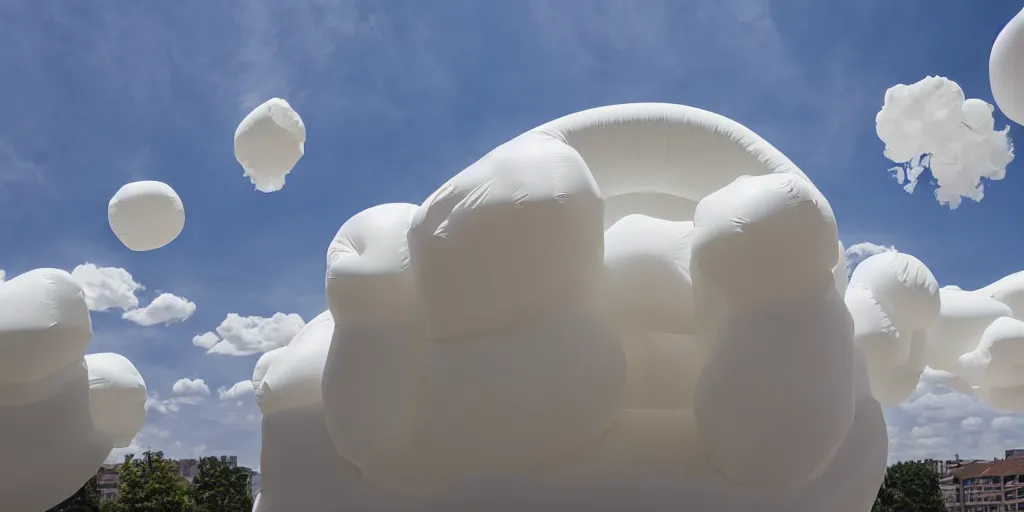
[632,307]
[61,411]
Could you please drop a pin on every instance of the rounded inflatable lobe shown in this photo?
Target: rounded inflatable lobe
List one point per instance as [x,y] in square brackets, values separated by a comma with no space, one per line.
[55,443]
[117,397]
[763,239]
[263,364]
[44,325]
[369,277]
[372,369]
[509,401]
[903,286]
[997,360]
[511,238]
[294,378]
[268,144]
[780,381]
[1010,291]
[1006,69]
[963,318]
[146,215]
[841,271]
[882,345]
[646,282]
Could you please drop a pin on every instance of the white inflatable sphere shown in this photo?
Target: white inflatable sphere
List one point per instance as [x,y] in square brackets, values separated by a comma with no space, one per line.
[55,443]
[1006,69]
[780,382]
[516,235]
[963,318]
[903,286]
[269,142]
[263,364]
[646,283]
[766,238]
[117,397]
[881,342]
[44,325]
[146,215]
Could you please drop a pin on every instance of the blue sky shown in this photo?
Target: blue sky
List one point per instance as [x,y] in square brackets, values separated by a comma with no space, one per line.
[396,97]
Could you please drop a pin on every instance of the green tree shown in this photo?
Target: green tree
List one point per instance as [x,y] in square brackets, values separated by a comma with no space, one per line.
[909,487]
[152,484]
[85,499]
[218,487]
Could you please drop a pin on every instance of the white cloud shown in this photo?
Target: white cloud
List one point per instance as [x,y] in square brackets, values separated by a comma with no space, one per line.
[165,309]
[859,252]
[939,422]
[188,386]
[237,390]
[3,275]
[170,405]
[972,423]
[1007,423]
[245,335]
[205,340]
[107,287]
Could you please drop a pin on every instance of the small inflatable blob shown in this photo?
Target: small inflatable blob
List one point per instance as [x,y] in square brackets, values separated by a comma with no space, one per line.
[146,215]
[269,142]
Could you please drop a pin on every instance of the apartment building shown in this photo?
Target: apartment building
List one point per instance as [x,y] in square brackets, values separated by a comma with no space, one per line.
[989,486]
[108,480]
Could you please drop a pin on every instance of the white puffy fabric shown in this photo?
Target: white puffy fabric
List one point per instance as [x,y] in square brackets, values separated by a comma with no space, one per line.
[269,142]
[962,321]
[58,418]
[300,468]
[117,396]
[893,299]
[1006,69]
[146,215]
[929,125]
[263,364]
[512,330]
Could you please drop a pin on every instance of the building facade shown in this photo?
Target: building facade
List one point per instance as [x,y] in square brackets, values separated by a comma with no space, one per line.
[988,486]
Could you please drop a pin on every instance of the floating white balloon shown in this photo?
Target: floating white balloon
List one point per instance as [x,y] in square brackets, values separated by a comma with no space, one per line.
[269,142]
[146,215]
[1006,69]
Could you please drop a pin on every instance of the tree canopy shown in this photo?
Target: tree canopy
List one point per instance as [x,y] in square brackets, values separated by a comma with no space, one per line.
[910,487]
[218,487]
[152,484]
